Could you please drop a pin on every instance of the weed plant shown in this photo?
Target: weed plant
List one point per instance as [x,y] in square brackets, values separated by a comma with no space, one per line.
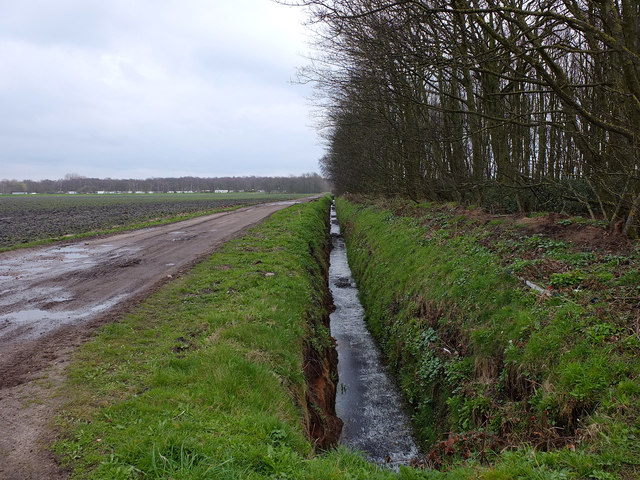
[499,377]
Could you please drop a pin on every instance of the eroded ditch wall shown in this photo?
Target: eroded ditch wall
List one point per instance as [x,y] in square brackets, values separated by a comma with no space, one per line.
[320,358]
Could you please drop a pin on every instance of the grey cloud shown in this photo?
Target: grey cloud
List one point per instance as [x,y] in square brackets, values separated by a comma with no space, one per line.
[111,88]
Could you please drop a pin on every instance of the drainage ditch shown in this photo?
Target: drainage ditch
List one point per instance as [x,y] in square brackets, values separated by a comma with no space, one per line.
[367,401]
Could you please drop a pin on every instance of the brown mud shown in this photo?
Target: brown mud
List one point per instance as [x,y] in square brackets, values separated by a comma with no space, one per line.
[52,300]
[320,368]
[320,364]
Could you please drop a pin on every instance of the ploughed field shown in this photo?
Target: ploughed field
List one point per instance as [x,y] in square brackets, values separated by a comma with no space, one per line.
[30,218]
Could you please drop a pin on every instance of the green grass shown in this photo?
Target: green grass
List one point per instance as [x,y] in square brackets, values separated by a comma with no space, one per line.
[486,363]
[205,379]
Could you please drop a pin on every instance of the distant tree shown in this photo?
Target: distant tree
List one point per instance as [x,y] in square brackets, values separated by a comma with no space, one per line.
[305,183]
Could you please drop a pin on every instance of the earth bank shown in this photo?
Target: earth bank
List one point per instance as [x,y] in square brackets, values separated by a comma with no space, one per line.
[499,375]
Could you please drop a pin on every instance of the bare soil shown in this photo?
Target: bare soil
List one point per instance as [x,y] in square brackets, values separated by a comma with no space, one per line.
[586,237]
[51,301]
[25,218]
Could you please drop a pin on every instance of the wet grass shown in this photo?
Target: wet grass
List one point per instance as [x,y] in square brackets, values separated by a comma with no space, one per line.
[205,379]
[502,380]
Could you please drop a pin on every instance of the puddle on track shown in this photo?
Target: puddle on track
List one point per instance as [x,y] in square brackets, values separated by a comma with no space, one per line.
[368,402]
[32,320]
[29,308]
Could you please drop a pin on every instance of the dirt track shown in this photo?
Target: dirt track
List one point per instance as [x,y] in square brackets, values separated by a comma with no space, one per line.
[52,298]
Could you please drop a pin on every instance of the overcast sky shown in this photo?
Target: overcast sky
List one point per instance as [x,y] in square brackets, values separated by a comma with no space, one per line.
[142,88]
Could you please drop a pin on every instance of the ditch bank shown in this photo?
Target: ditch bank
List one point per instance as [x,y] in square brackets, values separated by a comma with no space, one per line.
[320,358]
[499,378]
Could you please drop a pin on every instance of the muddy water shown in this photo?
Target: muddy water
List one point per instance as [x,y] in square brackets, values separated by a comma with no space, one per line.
[368,402]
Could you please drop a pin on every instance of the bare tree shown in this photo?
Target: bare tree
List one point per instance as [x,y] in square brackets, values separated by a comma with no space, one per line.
[535,102]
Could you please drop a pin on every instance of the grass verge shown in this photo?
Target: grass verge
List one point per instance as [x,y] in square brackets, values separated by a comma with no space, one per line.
[503,382]
[206,379]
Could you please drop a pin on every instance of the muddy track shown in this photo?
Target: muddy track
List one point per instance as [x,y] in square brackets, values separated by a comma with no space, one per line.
[53,298]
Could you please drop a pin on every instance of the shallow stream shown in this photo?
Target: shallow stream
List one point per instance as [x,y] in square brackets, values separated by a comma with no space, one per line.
[368,402]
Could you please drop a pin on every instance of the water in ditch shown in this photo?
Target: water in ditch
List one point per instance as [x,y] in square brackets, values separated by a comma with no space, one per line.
[368,402]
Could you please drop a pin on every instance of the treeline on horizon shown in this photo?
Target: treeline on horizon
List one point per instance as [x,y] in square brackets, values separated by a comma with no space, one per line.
[517,105]
[305,183]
